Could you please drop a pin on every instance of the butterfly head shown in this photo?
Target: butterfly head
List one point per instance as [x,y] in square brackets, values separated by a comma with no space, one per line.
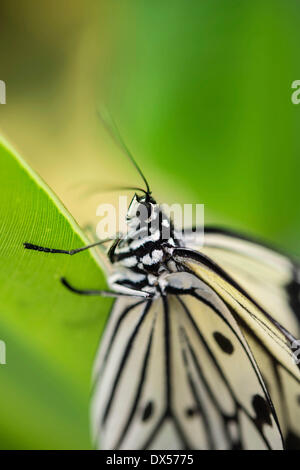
[141,209]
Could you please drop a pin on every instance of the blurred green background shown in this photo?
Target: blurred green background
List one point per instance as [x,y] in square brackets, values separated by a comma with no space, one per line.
[201,91]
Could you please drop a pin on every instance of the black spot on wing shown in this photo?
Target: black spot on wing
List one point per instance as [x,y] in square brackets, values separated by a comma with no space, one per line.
[292,441]
[148,411]
[237,445]
[293,291]
[262,410]
[190,412]
[224,343]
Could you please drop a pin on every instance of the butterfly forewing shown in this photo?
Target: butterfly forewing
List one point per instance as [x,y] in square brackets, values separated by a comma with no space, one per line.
[249,312]
[269,276]
[271,279]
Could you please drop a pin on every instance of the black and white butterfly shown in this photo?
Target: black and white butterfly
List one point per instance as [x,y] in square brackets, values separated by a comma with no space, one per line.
[197,352]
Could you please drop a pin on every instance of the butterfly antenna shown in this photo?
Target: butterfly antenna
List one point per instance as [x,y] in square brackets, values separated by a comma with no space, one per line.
[101,189]
[113,131]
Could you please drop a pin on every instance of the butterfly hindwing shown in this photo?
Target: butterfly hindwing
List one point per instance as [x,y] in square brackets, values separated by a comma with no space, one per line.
[272,281]
[168,376]
[239,413]
[125,356]
[283,388]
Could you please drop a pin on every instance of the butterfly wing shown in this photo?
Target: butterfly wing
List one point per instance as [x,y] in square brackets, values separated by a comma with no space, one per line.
[271,279]
[283,388]
[227,386]
[129,376]
[177,373]
[269,276]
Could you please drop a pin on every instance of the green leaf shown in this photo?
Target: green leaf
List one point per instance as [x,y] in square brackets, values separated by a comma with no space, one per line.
[51,334]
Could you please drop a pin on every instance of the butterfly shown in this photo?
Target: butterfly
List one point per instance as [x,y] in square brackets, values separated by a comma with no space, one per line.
[198,351]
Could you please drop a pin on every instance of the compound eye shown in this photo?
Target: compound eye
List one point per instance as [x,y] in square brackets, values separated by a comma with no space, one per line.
[132,207]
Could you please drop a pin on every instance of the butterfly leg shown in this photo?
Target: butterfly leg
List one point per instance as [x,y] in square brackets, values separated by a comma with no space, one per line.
[30,246]
[102,293]
[111,251]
